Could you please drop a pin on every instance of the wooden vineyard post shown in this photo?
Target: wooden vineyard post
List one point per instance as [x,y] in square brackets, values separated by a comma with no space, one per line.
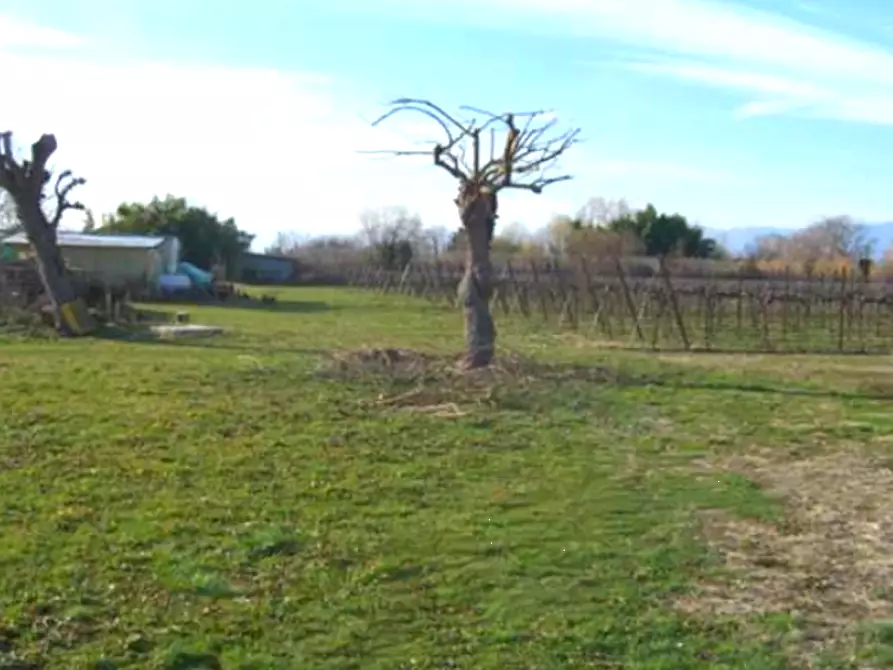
[442,288]
[595,303]
[674,303]
[520,292]
[404,278]
[567,313]
[765,299]
[628,298]
[536,284]
[499,294]
[739,307]
[662,302]
[785,299]
[864,277]
[709,317]
[842,310]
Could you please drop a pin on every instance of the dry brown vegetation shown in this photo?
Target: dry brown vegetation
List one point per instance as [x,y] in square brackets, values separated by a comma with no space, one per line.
[828,562]
[414,381]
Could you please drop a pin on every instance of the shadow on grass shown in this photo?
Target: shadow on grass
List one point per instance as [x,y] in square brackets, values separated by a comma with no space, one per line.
[756,351]
[510,370]
[280,306]
[739,387]
[143,335]
[289,306]
[526,375]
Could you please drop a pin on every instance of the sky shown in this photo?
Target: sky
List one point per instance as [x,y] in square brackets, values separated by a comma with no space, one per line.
[735,114]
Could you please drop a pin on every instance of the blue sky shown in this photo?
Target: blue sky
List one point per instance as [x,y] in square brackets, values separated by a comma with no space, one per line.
[734,114]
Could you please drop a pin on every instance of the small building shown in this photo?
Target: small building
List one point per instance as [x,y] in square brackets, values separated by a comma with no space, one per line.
[267,269]
[115,259]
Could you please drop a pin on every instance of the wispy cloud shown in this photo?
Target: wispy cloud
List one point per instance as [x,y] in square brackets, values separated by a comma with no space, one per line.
[16,33]
[778,65]
[783,66]
[275,149]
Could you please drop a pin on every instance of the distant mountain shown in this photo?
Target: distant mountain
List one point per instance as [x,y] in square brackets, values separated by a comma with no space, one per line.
[737,240]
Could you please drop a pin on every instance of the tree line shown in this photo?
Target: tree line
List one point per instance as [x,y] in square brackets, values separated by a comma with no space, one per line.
[391,237]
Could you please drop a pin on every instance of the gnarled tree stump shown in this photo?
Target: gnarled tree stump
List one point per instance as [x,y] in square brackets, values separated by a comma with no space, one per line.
[25,182]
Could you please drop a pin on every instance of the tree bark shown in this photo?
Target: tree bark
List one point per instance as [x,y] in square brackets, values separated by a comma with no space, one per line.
[69,310]
[475,290]
[25,181]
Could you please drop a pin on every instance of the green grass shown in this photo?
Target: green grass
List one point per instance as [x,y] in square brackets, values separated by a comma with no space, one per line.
[222,503]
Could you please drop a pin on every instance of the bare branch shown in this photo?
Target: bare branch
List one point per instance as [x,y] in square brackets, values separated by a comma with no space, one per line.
[453,129]
[11,173]
[27,179]
[530,151]
[65,183]
[450,162]
[27,176]
[538,185]
[41,151]
[397,152]
[427,108]
[478,110]
[431,106]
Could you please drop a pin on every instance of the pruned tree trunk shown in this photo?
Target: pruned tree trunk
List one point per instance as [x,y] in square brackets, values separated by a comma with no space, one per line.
[69,310]
[527,153]
[25,181]
[475,290]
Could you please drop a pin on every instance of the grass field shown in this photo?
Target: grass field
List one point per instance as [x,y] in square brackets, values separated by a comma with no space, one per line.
[268,499]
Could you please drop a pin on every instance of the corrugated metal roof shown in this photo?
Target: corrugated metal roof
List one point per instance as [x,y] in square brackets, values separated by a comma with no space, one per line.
[67,239]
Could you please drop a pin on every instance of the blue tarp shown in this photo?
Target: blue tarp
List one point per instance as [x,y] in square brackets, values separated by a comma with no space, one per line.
[196,275]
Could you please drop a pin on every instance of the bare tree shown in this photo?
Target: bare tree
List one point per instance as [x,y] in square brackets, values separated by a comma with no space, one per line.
[526,155]
[392,235]
[389,225]
[89,221]
[834,238]
[516,232]
[558,234]
[600,212]
[435,240]
[25,182]
[285,244]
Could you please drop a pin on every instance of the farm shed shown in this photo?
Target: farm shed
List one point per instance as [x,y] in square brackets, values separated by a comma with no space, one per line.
[115,259]
[267,269]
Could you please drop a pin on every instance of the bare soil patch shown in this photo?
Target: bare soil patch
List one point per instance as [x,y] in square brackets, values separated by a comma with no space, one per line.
[830,563]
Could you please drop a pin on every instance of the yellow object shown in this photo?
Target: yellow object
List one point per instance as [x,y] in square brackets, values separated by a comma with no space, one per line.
[70,316]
